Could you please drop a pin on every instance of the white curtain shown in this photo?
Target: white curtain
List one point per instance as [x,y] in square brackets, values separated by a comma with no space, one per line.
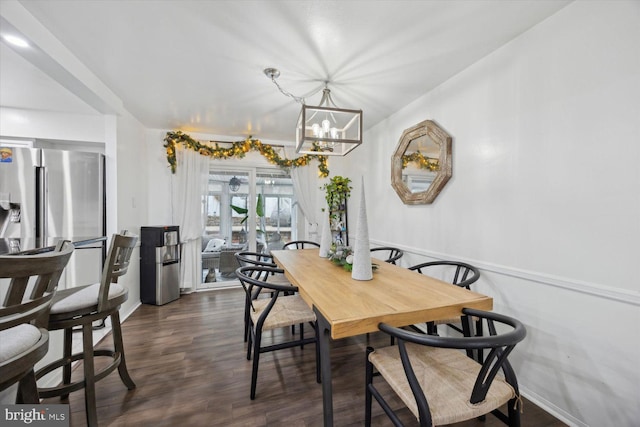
[306,185]
[188,187]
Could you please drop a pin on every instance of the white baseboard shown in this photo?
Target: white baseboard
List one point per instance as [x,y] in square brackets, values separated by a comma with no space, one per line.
[559,413]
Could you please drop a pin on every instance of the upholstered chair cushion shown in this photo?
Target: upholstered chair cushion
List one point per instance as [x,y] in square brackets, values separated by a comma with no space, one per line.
[15,341]
[84,298]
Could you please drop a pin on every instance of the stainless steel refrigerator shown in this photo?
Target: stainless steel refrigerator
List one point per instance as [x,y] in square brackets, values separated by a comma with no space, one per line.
[47,195]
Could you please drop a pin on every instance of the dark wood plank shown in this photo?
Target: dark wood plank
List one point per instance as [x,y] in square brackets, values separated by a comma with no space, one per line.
[188,361]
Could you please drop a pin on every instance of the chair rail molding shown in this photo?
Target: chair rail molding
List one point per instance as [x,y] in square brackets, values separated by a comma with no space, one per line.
[595,289]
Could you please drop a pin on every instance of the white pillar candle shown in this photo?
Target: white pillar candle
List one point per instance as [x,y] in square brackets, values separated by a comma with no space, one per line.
[325,237]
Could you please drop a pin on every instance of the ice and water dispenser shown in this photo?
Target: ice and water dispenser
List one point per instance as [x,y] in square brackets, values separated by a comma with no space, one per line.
[159,264]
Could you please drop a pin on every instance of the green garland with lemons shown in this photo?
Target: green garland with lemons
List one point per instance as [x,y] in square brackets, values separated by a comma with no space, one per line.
[238,150]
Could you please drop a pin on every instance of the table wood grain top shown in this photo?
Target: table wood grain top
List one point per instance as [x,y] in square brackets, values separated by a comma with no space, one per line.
[395,295]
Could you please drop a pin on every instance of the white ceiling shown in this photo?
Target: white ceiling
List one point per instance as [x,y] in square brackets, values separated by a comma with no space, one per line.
[198,65]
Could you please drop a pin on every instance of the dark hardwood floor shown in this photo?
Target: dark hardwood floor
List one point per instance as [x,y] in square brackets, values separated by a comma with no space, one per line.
[188,360]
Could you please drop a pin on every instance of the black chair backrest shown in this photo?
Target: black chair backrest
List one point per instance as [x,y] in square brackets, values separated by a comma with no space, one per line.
[246,258]
[33,282]
[257,276]
[463,274]
[501,346]
[393,254]
[254,279]
[300,244]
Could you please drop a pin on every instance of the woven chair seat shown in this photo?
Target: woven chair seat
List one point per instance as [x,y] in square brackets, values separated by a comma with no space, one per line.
[446,376]
[287,311]
[278,279]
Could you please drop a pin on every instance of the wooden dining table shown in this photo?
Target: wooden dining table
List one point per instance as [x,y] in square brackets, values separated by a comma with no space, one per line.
[345,307]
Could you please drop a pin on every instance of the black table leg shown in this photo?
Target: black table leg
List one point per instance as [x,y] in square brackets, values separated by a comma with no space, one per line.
[324,337]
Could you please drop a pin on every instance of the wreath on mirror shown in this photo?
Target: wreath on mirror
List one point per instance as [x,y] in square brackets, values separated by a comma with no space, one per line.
[238,150]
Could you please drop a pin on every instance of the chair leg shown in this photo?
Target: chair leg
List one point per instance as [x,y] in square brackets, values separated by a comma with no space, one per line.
[301,334]
[249,342]
[479,333]
[246,318]
[28,390]
[66,351]
[432,328]
[256,359]
[368,381]
[118,345]
[89,379]
[467,331]
[318,372]
[513,407]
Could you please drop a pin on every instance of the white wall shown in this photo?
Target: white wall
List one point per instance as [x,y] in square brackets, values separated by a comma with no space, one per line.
[545,199]
[29,123]
[158,180]
[131,196]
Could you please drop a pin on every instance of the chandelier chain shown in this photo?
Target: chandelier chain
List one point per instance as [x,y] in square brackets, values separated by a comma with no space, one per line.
[298,99]
[274,73]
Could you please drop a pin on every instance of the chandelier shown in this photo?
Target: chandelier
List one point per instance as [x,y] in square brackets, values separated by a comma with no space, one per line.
[324,129]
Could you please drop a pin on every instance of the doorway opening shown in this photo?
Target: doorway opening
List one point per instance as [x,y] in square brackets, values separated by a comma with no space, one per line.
[246,209]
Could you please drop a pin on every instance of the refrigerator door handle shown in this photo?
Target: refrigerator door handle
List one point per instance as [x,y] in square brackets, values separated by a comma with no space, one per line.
[41,202]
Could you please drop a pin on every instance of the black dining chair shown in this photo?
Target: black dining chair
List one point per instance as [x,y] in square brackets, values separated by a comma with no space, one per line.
[439,383]
[277,311]
[300,244]
[256,259]
[457,273]
[389,254]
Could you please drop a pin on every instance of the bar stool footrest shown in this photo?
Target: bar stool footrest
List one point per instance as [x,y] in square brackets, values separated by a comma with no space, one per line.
[65,389]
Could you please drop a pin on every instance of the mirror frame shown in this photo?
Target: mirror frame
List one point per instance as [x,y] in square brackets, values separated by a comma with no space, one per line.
[444,141]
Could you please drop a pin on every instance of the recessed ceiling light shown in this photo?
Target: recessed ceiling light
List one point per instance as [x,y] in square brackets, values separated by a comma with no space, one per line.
[16,41]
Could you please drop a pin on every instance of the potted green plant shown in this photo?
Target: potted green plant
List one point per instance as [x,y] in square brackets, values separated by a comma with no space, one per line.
[338,190]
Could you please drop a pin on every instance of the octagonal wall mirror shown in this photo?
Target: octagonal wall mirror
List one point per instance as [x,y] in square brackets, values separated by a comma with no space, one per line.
[421,163]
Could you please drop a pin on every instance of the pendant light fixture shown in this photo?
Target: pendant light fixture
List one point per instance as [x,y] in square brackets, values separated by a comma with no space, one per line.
[324,129]
[234,184]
